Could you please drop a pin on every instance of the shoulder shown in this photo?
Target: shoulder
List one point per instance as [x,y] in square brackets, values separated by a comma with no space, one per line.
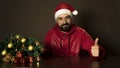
[80,29]
[51,31]
[84,33]
[48,34]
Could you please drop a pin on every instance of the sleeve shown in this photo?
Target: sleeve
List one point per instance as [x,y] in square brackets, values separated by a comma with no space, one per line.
[47,44]
[87,42]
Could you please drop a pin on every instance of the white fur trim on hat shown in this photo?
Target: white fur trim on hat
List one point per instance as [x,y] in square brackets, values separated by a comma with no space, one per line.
[62,11]
[75,12]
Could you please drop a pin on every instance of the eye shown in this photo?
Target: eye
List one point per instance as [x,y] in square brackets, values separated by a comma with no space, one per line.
[59,18]
[68,17]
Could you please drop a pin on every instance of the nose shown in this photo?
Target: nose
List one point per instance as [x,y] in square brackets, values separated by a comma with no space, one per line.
[64,20]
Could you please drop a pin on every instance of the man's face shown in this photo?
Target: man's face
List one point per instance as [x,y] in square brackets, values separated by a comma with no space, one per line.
[64,22]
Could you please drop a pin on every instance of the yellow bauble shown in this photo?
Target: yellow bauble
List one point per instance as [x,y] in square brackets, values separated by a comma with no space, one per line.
[17,36]
[23,40]
[4,52]
[10,45]
[30,47]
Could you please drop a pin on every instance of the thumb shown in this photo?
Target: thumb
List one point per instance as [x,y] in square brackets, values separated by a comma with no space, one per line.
[96,41]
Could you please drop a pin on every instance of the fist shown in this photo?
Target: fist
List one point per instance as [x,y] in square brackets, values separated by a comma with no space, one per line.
[95,48]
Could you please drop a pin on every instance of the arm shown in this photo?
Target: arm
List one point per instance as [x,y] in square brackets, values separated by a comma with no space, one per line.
[92,47]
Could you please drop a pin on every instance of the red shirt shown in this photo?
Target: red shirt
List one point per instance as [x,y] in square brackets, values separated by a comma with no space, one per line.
[70,43]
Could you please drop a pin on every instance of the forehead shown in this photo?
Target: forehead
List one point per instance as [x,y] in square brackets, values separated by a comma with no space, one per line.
[63,15]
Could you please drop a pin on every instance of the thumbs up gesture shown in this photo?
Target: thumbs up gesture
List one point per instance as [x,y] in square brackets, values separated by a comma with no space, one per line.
[95,48]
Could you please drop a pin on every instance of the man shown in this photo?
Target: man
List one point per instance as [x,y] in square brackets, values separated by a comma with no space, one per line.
[67,39]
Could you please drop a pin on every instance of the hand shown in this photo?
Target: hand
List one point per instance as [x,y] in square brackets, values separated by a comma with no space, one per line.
[95,48]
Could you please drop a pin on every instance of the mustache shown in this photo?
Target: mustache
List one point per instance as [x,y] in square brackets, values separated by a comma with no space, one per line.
[65,24]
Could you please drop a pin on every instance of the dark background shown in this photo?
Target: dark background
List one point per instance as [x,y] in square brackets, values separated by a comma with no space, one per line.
[100,18]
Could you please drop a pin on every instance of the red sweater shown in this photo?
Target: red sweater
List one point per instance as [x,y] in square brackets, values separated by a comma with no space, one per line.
[70,43]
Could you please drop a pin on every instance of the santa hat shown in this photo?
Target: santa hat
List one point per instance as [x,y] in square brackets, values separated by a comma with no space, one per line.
[65,8]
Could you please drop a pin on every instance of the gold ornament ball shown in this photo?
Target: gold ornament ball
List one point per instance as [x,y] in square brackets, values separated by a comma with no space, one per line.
[30,48]
[23,40]
[4,52]
[17,36]
[10,45]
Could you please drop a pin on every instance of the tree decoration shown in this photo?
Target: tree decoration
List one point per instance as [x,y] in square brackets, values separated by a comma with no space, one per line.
[4,52]
[20,49]
[10,45]
[30,47]
[8,58]
[23,40]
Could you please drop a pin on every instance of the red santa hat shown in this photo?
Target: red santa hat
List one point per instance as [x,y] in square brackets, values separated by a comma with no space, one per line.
[65,8]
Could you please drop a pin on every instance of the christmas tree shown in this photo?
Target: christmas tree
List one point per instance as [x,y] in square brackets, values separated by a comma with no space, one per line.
[18,48]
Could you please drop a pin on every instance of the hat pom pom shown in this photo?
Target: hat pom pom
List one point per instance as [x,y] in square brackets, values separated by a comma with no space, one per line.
[75,12]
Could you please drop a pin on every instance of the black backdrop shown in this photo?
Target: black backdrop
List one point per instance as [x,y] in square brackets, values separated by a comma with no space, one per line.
[100,18]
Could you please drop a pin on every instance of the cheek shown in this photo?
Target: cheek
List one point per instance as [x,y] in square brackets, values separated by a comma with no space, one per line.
[59,23]
[69,21]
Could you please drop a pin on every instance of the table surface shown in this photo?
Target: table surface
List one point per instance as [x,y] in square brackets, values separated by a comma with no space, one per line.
[67,62]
